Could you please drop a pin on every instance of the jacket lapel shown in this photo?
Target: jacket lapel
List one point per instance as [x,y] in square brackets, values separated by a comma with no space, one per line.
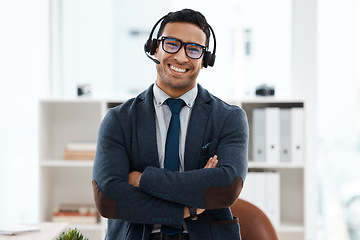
[196,129]
[146,130]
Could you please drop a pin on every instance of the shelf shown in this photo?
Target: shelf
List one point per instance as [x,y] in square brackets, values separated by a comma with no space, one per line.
[277,166]
[270,99]
[69,181]
[66,163]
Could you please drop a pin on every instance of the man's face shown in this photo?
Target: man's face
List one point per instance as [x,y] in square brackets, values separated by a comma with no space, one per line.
[177,73]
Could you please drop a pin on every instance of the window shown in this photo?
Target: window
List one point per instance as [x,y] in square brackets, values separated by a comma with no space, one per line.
[102,45]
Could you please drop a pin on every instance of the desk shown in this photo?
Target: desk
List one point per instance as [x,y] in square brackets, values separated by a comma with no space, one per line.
[48,231]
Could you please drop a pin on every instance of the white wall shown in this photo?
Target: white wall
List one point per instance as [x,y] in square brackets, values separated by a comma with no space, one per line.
[304,85]
[338,113]
[88,42]
[24,75]
[98,48]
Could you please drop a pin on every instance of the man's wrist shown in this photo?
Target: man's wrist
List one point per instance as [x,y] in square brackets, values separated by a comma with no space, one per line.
[186,212]
[193,213]
[134,178]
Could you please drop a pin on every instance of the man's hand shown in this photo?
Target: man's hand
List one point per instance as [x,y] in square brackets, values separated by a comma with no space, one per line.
[134,178]
[212,162]
[187,211]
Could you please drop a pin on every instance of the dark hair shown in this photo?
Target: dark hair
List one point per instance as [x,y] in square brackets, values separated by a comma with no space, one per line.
[189,16]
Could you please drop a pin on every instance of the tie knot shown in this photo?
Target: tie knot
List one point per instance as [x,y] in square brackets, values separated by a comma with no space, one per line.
[175,105]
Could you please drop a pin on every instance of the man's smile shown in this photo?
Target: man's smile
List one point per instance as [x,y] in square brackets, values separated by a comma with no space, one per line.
[178,69]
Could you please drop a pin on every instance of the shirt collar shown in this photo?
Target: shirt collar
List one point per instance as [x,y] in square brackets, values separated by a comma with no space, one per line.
[188,97]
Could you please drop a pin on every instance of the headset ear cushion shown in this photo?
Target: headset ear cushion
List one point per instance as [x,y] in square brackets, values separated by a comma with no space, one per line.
[212,60]
[153,46]
[206,59]
[147,46]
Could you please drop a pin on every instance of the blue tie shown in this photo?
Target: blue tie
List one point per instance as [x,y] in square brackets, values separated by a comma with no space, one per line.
[172,139]
[172,150]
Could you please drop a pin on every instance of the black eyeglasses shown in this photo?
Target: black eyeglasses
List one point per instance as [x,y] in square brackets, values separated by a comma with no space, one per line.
[173,45]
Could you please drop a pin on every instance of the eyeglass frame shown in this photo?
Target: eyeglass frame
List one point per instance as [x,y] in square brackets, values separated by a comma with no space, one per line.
[182,44]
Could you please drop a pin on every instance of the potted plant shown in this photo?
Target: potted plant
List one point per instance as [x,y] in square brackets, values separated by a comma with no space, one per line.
[72,234]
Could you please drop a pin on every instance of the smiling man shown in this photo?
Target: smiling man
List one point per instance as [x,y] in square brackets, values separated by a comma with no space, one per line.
[171,161]
[177,72]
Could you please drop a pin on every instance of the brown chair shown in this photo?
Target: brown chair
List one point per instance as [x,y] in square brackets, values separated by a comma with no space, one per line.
[254,224]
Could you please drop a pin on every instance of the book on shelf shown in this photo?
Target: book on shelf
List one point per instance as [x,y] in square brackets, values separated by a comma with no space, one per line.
[80,150]
[76,214]
[74,155]
[81,146]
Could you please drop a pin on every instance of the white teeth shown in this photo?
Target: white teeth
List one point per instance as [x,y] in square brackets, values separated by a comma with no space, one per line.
[177,69]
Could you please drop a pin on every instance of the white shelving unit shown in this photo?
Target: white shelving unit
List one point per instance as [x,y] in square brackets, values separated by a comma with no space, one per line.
[292,175]
[69,181]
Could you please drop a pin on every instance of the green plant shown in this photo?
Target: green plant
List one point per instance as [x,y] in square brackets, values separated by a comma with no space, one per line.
[72,234]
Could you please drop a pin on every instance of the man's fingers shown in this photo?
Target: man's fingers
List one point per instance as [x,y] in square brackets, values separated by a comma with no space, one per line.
[208,162]
[212,162]
[199,211]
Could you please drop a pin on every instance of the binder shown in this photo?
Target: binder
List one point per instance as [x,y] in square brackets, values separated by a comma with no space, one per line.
[272,188]
[254,189]
[272,135]
[285,135]
[263,190]
[297,135]
[258,123]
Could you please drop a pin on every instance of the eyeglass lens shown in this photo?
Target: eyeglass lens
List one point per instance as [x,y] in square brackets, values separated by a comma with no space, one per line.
[192,50]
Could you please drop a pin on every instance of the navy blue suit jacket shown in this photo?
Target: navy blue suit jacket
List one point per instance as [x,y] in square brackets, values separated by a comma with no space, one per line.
[127,142]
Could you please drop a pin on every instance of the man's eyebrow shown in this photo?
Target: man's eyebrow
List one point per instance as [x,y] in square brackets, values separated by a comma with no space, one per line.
[182,40]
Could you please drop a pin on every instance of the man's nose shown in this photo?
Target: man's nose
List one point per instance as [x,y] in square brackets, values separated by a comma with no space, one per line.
[181,55]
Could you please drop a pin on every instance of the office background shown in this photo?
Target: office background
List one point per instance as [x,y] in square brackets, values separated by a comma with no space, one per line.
[307,49]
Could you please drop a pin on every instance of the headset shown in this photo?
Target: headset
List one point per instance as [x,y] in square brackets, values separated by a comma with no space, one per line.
[152,44]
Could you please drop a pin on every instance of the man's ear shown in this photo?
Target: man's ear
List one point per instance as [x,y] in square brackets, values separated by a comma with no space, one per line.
[156,51]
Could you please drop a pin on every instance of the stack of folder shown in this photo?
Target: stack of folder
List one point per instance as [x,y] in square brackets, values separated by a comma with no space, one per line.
[278,135]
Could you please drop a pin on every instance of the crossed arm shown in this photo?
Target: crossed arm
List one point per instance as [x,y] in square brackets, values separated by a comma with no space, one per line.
[121,195]
[135,176]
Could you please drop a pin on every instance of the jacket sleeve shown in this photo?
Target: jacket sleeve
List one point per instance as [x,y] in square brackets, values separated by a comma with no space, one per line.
[113,196]
[207,188]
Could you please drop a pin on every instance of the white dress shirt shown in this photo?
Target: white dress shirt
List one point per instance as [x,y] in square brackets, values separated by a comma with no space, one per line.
[163,117]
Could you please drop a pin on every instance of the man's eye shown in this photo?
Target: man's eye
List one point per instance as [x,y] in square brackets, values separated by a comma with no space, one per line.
[193,49]
[172,44]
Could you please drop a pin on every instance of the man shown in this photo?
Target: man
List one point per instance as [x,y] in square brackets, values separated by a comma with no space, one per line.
[135,182]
